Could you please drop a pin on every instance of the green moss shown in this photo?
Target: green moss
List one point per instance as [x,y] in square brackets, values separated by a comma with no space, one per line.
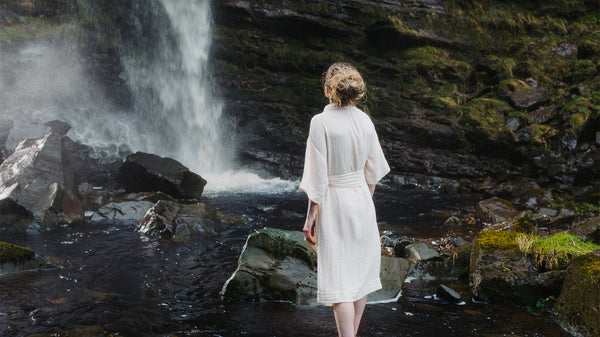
[485,115]
[555,251]
[500,240]
[13,253]
[28,28]
[507,86]
[542,134]
[579,302]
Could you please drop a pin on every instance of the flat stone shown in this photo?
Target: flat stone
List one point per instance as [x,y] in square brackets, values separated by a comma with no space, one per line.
[529,99]
[392,274]
[448,294]
[421,252]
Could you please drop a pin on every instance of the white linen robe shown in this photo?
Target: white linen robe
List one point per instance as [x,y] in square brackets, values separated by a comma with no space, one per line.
[343,154]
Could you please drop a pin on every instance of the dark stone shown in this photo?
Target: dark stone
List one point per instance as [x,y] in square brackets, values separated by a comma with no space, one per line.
[40,178]
[494,210]
[569,142]
[512,123]
[541,115]
[448,294]
[14,259]
[524,135]
[529,99]
[144,172]
[400,247]
[58,127]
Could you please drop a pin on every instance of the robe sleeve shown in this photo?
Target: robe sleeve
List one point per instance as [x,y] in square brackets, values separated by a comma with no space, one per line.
[314,178]
[376,166]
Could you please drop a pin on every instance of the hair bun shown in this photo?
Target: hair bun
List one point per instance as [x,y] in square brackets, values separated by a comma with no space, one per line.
[344,85]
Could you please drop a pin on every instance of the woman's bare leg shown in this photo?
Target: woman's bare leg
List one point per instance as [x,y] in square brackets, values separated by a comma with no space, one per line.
[359,308]
[344,318]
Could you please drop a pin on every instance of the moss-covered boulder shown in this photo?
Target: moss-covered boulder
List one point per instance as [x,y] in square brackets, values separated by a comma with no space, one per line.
[14,259]
[275,265]
[500,273]
[578,306]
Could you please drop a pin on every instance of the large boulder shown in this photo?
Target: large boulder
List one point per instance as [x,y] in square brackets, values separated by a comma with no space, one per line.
[14,259]
[39,177]
[168,219]
[279,265]
[275,265]
[578,305]
[500,273]
[145,172]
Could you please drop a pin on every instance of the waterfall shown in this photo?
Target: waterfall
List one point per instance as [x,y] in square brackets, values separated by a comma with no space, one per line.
[177,110]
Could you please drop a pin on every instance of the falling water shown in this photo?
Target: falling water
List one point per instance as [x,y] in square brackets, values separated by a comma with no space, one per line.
[179,113]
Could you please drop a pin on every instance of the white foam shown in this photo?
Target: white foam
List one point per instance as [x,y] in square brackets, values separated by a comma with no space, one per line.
[247,182]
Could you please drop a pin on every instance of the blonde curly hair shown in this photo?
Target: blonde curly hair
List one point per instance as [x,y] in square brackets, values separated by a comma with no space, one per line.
[343,84]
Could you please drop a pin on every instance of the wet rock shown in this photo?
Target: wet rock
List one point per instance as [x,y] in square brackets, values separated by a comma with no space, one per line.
[421,252]
[529,99]
[58,127]
[569,142]
[77,330]
[275,265]
[547,211]
[448,294]
[168,219]
[392,273]
[144,172]
[453,221]
[494,210]
[14,259]
[400,246]
[500,273]
[39,177]
[13,214]
[578,305]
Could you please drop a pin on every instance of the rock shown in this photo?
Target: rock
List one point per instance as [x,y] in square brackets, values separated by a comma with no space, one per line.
[512,123]
[524,135]
[598,137]
[275,265]
[532,82]
[494,210]
[448,294]
[39,177]
[452,221]
[569,142]
[13,214]
[14,259]
[547,211]
[144,172]
[392,273]
[529,99]
[578,306]
[565,49]
[588,229]
[400,247]
[499,272]
[168,219]
[541,115]
[58,127]
[421,252]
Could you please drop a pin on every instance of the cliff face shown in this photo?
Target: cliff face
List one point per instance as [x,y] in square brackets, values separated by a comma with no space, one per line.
[488,91]
[484,93]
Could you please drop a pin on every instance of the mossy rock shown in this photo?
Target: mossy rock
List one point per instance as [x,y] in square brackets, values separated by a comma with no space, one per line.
[508,86]
[578,305]
[486,116]
[15,254]
[500,273]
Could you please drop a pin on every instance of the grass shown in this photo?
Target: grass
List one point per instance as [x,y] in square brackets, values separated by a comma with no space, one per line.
[555,251]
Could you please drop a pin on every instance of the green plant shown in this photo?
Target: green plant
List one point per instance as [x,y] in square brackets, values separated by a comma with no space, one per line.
[541,306]
[555,251]
[587,209]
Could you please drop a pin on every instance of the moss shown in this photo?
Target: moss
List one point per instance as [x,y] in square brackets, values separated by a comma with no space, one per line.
[500,240]
[507,86]
[485,115]
[542,134]
[579,302]
[15,254]
[555,251]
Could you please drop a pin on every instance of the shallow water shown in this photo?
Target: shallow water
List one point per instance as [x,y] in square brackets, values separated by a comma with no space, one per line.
[132,286]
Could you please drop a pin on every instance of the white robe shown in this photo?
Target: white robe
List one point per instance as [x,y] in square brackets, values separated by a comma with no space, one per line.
[343,154]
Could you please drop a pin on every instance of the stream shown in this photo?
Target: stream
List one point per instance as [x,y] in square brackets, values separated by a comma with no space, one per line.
[129,285]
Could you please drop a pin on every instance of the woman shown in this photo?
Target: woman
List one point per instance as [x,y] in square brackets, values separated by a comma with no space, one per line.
[342,165]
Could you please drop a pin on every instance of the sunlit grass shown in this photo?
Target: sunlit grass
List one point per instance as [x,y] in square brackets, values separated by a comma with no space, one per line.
[555,250]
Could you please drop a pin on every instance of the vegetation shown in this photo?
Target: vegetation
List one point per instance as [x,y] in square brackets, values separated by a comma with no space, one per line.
[13,253]
[555,251]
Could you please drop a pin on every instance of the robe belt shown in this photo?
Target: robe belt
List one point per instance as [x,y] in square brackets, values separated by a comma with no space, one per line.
[352,179]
